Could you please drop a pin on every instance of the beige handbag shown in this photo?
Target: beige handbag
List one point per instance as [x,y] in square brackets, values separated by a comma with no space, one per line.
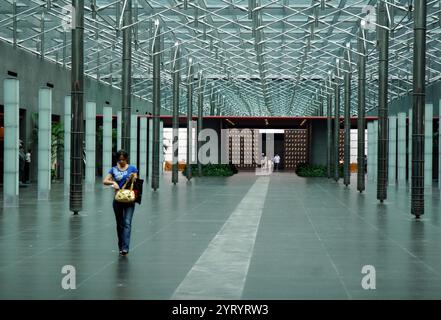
[126,195]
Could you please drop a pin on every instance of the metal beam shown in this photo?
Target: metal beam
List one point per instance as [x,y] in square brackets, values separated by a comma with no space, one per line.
[77,103]
[419,100]
[329,136]
[42,31]
[212,101]
[347,122]
[176,82]
[383,146]
[337,124]
[126,84]
[157,144]
[14,23]
[190,76]
[361,120]
[200,120]
[321,107]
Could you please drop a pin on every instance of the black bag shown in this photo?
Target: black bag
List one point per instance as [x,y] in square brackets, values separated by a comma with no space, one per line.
[137,187]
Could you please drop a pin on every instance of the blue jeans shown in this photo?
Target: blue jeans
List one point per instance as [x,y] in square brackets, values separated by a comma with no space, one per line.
[123,214]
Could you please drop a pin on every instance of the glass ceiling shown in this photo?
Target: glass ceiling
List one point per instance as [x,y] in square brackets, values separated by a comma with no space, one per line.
[262,57]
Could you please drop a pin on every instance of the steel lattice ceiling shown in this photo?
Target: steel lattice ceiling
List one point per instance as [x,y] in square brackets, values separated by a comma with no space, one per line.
[270,60]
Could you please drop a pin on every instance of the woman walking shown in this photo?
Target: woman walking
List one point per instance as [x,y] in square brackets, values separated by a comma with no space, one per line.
[117,177]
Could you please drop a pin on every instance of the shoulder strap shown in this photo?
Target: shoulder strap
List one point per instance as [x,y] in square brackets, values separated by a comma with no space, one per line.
[133,182]
[125,184]
[131,185]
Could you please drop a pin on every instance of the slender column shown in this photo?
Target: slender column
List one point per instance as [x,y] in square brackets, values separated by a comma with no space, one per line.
[189,116]
[375,158]
[383,43]
[11,142]
[212,101]
[161,146]
[216,103]
[337,130]
[392,149]
[428,146]
[401,161]
[218,108]
[321,107]
[329,137]
[347,125]
[157,144]
[176,82]
[133,140]
[371,146]
[77,104]
[149,148]
[361,120]
[14,23]
[107,139]
[419,99]
[67,134]
[409,153]
[42,33]
[136,24]
[118,6]
[439,146]
[98,75]
[64,48]
[200,122]
[126,77]
[118,129]
[44,142]
[143,147]
[90,145]
[194,144]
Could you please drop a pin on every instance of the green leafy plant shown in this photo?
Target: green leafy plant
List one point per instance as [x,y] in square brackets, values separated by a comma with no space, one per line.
[212,170]
[307,170]
[57,142]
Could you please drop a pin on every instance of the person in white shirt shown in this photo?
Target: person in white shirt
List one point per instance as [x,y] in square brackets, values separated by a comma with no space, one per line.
[27,166]
[276,161]
[263,161]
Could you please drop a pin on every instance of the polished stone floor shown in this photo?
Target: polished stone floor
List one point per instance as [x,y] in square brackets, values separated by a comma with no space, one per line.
[243,237]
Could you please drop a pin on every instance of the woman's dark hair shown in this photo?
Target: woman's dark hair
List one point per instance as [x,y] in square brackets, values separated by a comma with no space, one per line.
[123,153]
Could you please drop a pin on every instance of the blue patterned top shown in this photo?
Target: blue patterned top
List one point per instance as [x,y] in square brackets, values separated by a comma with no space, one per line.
[121,176]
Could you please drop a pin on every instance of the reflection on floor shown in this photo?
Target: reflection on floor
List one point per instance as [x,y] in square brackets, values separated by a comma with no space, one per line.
[244,237]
